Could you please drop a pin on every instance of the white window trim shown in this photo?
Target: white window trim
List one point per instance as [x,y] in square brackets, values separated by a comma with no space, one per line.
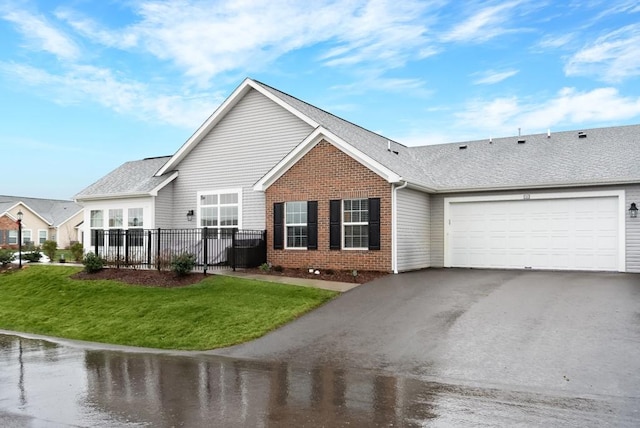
[219,192]
[11,232]
[30,233]
[109,218]
[287,247]
[344,224]
[46,235]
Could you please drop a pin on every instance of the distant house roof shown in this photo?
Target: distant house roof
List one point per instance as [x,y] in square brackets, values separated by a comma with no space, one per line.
[52,211]
[135,178]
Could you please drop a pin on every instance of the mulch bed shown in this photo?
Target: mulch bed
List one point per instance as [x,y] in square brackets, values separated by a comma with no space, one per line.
[326,275]
[143,277]
[167,279]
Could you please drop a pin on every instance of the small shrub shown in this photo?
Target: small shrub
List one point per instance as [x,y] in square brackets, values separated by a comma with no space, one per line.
[92,263]
[278,268]
[183,264]
[6,256]
[49,249]
[76,251]
[329,272]
[265,267]
[33,256]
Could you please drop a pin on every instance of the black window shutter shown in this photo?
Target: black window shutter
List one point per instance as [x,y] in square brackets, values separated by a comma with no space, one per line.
[312,225]
[374,223]
[278,226]
[335,235]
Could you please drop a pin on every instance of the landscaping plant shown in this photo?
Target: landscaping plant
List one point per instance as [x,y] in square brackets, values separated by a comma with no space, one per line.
[183,264]
[92,263]
[49,249]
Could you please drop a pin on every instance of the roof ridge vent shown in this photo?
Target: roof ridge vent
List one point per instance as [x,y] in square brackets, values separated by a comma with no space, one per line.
[582,134]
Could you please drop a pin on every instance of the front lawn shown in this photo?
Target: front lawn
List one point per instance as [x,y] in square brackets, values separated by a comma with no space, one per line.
[218,311]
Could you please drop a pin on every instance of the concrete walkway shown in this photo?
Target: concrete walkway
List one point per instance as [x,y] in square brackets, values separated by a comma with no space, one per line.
[303,282]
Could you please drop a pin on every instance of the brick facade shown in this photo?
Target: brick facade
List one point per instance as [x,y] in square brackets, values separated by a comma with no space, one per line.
[323,174]
[6,224]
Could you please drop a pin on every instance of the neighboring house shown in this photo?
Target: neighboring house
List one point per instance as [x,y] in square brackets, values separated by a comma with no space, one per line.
[333,195]
[43,220]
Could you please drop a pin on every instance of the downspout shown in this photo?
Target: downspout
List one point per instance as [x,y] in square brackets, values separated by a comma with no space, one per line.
[394,225]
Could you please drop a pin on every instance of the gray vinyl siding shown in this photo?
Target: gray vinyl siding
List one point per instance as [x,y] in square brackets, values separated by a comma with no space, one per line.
[436,208]
[413,230]
[164,207]
[250,140]
[633,231]
[632,226]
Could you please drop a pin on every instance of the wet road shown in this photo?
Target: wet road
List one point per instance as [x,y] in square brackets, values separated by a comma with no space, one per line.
[47,385]
[437,348]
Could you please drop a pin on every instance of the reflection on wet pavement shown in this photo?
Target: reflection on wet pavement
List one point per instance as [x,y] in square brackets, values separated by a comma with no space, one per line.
[47,385]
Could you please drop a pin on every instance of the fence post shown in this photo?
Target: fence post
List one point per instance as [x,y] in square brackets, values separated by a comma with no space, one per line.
[158,251]
[205,247]
[149,248]
[233,248]
[126,248]
[95,240]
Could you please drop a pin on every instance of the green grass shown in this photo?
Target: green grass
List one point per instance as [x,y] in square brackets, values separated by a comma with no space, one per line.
[218,311]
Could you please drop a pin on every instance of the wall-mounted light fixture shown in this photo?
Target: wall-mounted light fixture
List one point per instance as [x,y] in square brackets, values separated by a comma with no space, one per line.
[633,210]
[189,215]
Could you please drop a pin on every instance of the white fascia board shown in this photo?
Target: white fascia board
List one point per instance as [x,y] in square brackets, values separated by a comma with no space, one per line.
[34,212]
[155,190]
[220,112]
[308,143]
[284,104]
[63,222]
[113,196]
[208,124]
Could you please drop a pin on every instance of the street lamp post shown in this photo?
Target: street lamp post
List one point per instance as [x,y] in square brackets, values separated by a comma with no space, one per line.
[20,239]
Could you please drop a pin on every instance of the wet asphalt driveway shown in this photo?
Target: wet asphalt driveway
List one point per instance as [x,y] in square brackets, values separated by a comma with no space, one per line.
[566,332]
[438,348]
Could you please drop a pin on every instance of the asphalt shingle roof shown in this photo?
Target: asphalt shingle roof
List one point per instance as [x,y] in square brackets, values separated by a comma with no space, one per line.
[53,211]
[606,155]
[131,178]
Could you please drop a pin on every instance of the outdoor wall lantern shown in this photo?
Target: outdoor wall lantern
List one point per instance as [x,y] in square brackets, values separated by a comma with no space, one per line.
[633,210]
[19,214]
[189,215]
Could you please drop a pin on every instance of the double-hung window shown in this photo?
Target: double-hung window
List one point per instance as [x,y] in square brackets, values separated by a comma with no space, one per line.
[12,238]
[96,224]
[219,212]
[42,236]
[135,224]
[26,236]
[296,224]
[115,227]
[355,217]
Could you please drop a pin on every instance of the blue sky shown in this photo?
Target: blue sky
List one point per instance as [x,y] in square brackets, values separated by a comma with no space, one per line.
[88,85]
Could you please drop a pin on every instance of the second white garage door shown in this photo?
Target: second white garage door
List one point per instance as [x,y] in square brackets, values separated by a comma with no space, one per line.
[580,233]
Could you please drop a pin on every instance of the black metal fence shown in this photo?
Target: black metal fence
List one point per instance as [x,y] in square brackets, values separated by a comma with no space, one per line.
[156,248]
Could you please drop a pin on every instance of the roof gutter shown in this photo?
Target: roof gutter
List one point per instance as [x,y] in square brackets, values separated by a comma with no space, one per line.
[394,225]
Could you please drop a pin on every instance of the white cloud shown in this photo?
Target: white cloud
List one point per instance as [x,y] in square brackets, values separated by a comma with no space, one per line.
[92,30]
[568,107]
[485,24]
[491,77]
[41,34]
[102,86]
[205,39]
[612,57]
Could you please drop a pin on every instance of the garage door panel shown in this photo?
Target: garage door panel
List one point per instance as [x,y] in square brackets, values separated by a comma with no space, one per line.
[565,233]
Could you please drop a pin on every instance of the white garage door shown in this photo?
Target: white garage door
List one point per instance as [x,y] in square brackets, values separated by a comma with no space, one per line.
[572,234]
